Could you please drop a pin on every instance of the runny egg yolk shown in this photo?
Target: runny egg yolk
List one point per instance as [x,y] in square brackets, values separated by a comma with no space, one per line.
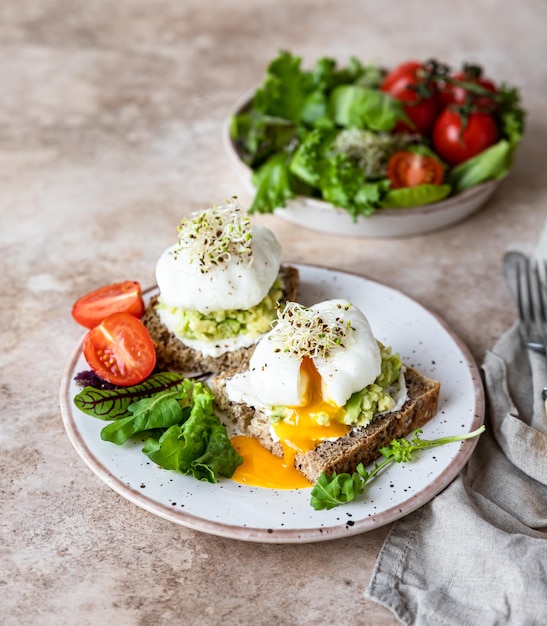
[261,468]
[298,432]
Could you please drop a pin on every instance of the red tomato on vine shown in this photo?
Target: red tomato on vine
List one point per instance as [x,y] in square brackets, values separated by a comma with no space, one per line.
[413,84]
[468,87]
[458,137]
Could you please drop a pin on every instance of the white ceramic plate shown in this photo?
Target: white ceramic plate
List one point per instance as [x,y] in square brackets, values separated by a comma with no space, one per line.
[386,223]
[285,516]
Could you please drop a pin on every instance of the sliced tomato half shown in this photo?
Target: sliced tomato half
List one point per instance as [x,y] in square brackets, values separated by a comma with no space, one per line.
[408,169]
[120,350]
[126,297]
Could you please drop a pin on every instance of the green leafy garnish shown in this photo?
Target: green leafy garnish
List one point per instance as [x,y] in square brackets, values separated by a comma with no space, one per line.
[161,411]
[336,489]
[200,446]
[109,404]
[176,414]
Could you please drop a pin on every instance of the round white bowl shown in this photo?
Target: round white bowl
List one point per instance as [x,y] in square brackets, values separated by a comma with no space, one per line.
[321,216]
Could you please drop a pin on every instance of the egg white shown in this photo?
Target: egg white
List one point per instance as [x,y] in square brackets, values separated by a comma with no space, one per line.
[275,378]
[234,284]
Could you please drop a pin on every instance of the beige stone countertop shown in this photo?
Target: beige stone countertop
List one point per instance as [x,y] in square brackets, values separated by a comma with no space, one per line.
[110,131]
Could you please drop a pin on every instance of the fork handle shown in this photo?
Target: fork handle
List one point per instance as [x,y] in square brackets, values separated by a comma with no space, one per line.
[544,396]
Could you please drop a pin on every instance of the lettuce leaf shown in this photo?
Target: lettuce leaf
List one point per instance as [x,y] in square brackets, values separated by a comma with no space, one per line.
[258,137]
[199,447]
[161,411]
[354,106]
[178,417]
[336,177]
[285,89]
[273,184]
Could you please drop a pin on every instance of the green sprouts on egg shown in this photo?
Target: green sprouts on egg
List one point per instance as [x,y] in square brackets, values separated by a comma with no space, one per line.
[306,332]
[212,237]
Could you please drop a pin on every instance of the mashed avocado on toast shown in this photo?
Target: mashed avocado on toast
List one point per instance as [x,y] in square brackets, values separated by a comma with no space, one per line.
[225,324]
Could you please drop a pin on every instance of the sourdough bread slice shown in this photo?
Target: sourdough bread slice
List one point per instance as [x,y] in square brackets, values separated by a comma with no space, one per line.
[173,354]
[361,445]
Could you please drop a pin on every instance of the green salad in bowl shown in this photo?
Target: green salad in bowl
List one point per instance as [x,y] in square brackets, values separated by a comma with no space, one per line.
[369,141]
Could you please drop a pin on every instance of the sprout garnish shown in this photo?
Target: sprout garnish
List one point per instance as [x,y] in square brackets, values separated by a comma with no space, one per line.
[306,332]
[212,237]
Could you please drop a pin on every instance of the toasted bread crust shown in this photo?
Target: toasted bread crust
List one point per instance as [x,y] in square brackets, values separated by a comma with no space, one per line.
[172,354]
[361,445]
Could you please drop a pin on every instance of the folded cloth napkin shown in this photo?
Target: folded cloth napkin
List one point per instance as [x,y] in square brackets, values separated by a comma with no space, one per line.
[477,553]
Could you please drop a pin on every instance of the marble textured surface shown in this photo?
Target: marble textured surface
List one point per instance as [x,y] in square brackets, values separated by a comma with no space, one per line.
[110,122]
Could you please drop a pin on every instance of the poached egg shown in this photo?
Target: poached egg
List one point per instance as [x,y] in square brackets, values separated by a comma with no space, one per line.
[304,370]
[219,263]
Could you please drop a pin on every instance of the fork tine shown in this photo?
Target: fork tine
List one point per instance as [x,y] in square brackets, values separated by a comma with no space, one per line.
[534,306]
[539,293]
[523,292]
[531,292]
[531,329]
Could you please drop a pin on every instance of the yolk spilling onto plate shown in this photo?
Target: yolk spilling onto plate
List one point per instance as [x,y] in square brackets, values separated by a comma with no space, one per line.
[298,433]
[261,468]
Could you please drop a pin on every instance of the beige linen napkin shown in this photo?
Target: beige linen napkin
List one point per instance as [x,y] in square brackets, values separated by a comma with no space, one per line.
[477,553]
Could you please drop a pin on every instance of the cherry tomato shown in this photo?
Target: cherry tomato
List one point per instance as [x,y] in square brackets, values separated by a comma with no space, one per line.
[92,308]
[398,78]
[410,84]
[120,350]
[407,169]
[458,94]
[455,141]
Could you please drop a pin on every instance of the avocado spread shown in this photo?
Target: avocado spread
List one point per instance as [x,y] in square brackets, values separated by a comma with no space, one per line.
[225,324]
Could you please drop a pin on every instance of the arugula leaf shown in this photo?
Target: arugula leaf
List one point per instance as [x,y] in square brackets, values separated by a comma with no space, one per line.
[108,404]
[161,411]
[336,489]
[200,446]
[331,491]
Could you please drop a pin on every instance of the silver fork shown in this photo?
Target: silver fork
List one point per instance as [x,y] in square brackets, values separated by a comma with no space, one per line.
[532,306]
